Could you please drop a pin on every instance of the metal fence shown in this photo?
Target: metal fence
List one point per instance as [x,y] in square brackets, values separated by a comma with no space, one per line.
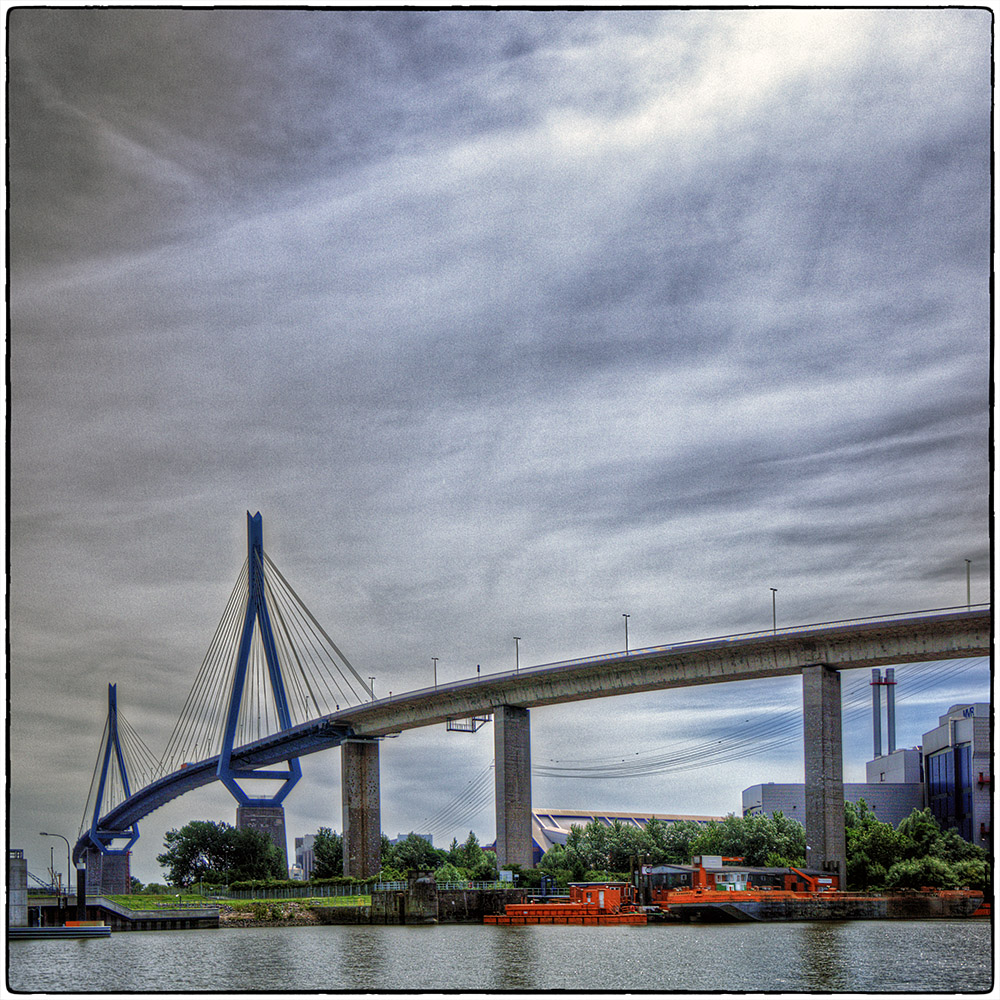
[305,891]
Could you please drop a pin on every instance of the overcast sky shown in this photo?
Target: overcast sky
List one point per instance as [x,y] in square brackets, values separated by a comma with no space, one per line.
[508,323]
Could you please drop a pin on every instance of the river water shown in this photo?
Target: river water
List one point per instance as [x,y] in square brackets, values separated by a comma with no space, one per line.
[943,956]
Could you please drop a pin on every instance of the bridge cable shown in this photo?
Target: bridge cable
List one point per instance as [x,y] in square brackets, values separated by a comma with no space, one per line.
[206,682]
[702,754]
[364,687]
[299,619]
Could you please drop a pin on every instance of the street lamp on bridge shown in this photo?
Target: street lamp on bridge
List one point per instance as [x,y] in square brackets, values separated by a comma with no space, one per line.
[626,617]
[774,609]
[517,639]
[371,685]
[69,864]
[435,659]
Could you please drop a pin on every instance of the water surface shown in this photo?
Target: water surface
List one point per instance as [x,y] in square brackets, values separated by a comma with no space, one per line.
[850,956]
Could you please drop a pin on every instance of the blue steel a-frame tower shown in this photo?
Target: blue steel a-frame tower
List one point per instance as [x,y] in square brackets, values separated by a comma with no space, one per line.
[256,614]
[102,838]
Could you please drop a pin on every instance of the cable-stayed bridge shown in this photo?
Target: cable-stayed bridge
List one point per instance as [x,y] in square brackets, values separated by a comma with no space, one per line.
[274,687]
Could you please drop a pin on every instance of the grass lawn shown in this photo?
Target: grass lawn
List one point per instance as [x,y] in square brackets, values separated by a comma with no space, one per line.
[154,901]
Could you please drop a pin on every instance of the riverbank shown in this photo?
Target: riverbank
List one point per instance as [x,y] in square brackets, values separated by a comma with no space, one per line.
[291,913]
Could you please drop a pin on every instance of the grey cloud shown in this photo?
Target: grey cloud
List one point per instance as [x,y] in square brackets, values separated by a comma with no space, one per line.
[497,339]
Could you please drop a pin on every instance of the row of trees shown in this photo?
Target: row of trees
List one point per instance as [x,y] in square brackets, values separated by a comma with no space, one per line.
[218,854]
[915,853]
[879,856]
[597,847]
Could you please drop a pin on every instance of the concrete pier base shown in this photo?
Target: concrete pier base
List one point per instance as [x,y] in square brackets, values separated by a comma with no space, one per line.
[359,789]
[826,846]
[108,874]
[269,820]
[512,744]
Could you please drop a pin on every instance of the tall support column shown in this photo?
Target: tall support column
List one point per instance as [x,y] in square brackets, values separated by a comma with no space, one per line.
[512,744]
[269,820]
[359,790]
[826,847]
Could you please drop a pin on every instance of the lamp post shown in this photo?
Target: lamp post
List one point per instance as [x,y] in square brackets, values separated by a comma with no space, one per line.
[81,890]
[371,684]
[626,617]
[517,639]
[774,609]
[968,583]
[69,863]
[435,659]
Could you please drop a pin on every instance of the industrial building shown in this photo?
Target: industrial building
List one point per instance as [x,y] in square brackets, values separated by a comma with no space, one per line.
[890,801]
[957,771]
[950,772]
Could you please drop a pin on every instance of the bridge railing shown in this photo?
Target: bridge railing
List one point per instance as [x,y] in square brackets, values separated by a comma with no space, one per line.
[638,651]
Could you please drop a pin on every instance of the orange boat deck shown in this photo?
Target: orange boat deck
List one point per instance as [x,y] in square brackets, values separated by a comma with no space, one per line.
[613,905]
[722,896]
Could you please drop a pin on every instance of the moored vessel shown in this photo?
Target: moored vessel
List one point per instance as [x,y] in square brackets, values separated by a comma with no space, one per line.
[588,903]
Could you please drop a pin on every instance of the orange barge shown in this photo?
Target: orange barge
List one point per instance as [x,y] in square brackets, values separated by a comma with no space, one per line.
[589,903]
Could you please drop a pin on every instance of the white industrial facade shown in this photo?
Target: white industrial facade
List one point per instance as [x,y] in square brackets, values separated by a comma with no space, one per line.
[890,801]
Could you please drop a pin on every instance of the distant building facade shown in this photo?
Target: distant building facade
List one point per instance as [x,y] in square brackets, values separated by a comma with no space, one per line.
[305,860]
[890,801]
[898,767]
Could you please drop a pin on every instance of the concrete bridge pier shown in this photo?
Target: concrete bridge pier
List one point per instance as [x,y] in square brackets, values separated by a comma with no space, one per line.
[512,745]
[826,846]
[359,790]
[108,872]
[269,820]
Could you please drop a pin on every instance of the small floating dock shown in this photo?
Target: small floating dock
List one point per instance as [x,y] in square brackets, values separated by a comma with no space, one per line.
[589,903]
[71,929]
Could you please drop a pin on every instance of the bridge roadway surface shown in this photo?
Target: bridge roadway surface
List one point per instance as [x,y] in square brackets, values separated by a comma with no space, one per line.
[916,638]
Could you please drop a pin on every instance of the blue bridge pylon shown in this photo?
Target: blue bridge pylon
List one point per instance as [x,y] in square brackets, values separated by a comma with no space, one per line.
[113,770]
[256,614]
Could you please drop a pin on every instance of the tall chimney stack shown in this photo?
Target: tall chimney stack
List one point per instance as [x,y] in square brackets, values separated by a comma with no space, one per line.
[877,710]
[890,707]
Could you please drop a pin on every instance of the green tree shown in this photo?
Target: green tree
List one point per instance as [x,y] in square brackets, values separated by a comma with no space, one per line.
[449,873]
[873,847]
[414,853]
[194,851]
[251,854]
[973,873]
[470,856]
[328,854]
[625,846]
[677,843]
[218,854]
[921,831]
[916,873]
[576,852]
[754,838]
